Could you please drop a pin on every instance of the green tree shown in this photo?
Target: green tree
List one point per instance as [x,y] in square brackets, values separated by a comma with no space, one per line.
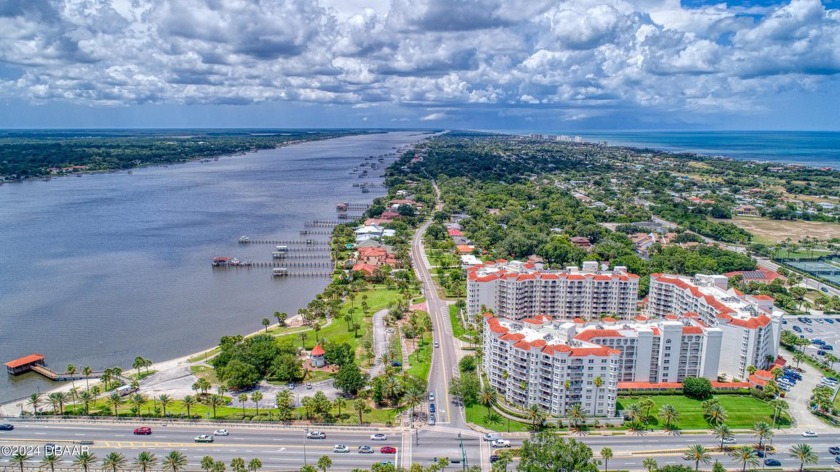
[488,397]
[266,322]
[698,454]
[606,454]
[535,416]
[283,401]
[697,387]
[669,414]
[548,451]
[84,460]
[115,399]
[805,454]
[145,461]
[113,462]
[164,400]
[19,458]
[174,461]
[647,404]
[242,397]
[281,318]
[188,401]
[339,403]
[35,401]
[762,431]
[215,401]
[722,432]
[576,415]
[254,465]
[207,463]
[598,382]
[324,463]
[350,379]
[718,467]
[237,464]
[715,414]
[650,464]
[50,460]
[744,455]
[308,468]
[361,407]
[256,397]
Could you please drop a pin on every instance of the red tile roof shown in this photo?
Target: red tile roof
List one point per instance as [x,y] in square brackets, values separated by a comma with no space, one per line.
[317,351]
[591,334]
[24,360]
[692,330]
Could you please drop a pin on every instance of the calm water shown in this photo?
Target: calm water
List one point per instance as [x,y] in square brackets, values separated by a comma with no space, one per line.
[100,269]
[811,148]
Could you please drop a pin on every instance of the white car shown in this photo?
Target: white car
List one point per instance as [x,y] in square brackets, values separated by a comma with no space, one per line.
[378,437]
[316,435]
[221,432]
[809,434]
[341,448]
[491,436]
[729,440]
[501,443]
[203,438]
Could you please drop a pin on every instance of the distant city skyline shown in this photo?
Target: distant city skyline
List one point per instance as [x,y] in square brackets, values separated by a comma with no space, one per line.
[538,65]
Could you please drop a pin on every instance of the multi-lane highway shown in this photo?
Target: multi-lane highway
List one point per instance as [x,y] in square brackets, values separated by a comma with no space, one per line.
[287,448]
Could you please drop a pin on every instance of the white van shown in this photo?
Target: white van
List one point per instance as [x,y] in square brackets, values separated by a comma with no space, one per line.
[492,436]
[124,390]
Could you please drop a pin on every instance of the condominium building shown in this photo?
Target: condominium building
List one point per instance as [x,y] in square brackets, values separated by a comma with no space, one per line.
[750,324]
[529,363]
[557,361]
[517,290]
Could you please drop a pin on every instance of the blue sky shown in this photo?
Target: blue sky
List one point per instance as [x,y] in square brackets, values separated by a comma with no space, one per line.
[504,64]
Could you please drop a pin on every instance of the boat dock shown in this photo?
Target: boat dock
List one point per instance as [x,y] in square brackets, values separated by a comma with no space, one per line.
[321,223]
[37,363]
[316,232]
[347,206]
[308,242]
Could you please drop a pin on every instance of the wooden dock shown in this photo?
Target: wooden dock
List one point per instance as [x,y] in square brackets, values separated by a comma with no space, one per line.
[37,363]
[308,242]
[315,232]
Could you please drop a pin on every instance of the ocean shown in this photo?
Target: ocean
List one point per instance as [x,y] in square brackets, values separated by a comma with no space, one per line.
[100,269]
[810,148]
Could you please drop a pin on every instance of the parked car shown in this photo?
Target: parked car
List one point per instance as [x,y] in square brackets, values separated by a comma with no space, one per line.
[432,408]
[431,420]
[203,438]
[291,385]
[309,385]
[828,347]
[772,462]
[797,329]
[821,352]
[834,450]
[365,450]
[809,434]
[388,450]
[316,435]
[494,458]
[431,396]
[829,321]
[809,330]
[378,437]
[501,443]
[6,427]
[837,460]
[437,344]
[341,448]
[143,430]
[817,341]
[221,432]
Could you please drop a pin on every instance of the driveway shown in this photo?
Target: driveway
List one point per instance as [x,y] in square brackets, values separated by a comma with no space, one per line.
[380,341]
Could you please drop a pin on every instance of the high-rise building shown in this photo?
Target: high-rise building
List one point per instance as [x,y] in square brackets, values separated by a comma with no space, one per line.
[517,290]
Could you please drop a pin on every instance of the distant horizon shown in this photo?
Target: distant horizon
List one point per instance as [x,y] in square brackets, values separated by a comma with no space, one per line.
[497,130]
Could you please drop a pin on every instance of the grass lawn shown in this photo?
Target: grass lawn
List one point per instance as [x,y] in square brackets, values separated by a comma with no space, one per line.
[457,325]
[378,298]
[743,410]
[421,359]
[770,231]
[205,372]
[477,414]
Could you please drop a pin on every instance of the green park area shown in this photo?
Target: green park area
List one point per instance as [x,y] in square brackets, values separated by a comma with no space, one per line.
[742,411]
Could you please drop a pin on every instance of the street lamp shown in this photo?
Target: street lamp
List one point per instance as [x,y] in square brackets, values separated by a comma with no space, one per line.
[305,436]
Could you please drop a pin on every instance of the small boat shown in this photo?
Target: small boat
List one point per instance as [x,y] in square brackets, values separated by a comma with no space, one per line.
[244,240]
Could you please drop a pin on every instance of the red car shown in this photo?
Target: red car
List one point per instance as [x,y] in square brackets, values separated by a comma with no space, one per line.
[143,430]
[388,450]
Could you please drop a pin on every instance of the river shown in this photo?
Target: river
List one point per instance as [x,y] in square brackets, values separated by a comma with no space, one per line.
[100,269]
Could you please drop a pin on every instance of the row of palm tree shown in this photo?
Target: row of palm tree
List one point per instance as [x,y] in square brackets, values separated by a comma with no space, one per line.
[743,455]
[175,461]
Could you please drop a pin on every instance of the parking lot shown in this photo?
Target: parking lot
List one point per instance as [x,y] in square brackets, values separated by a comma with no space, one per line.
[825,328]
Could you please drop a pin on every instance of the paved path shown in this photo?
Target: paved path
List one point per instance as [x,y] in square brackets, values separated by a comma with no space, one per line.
[798,398]
[380,341]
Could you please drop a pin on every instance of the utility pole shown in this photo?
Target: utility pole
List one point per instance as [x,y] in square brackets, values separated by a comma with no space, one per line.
[305,437]
[463,452]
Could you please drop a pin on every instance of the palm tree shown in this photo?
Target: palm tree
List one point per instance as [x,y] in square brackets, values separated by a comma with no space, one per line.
[113,462]
[265,323]
[137,400]
[316,327]
[254,465]
[715,414]
[86,397]
[779,407]
[324,462]
[57,400]
[762,431]
[71,371]
[360,405]
[281,317]
[805,454]
[669,414]
[242,397]
[576,415]
[50,460]
[115,399]
[214,401]
[164,400]
[535,416]
[744,455]
[340,403]
[145,461]
[647,404]
[207,463]
[87,372]
[698,454]
[488,397]
[84,460]
[256,397]
[607,454]
[633,412]
[650,464]
[35,401]
[303,337]
[722,431]
[175,461]
[189,401]
[598,382]
[19,458]
[284,404]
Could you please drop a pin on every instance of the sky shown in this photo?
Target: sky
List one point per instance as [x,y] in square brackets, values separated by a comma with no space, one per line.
[479,64]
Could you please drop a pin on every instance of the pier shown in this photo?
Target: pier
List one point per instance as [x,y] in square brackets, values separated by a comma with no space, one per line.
[347,206]
[321,223]
[308,242]
[317,232]
[37,363]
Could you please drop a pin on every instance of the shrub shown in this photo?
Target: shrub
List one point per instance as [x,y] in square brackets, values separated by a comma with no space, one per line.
[697,387]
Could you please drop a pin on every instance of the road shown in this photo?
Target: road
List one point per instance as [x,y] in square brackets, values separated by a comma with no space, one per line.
[286,448]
